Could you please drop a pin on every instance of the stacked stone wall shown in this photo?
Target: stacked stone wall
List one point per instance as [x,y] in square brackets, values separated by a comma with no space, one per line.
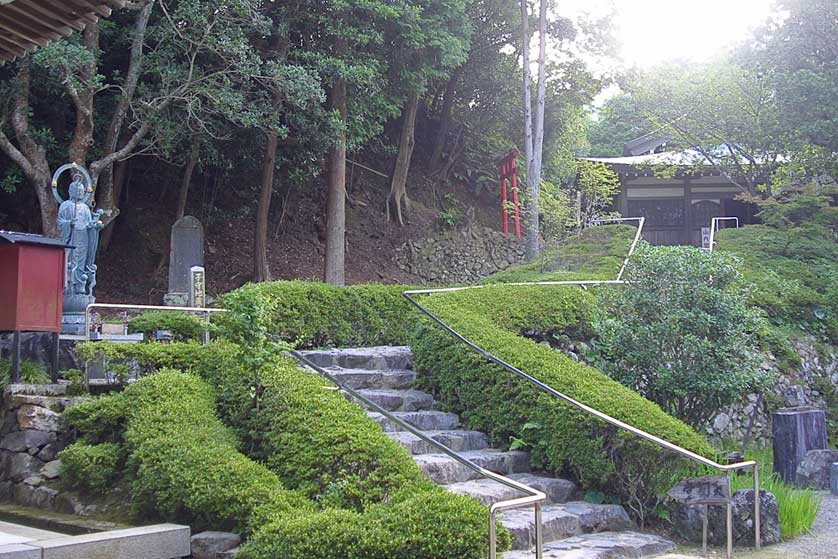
[33,432]
[461,256]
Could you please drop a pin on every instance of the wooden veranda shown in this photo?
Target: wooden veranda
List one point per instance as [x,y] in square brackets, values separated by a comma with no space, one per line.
[26,25]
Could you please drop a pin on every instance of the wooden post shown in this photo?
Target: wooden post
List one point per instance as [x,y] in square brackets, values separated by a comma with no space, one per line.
[53,354]
[15,376]
[796,431]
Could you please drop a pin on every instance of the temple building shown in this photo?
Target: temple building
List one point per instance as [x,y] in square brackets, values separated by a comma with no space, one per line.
[677,192]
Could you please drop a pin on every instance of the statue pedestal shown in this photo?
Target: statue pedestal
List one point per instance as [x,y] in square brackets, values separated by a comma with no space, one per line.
[72,315]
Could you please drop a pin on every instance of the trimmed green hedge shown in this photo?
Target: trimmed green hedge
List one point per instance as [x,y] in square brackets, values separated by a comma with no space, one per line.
[184,326]
[318,443]
[182,463]
[491,399]
[91,468]
[310,314]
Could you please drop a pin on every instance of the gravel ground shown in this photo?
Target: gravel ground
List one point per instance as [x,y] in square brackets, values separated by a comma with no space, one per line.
[821,543]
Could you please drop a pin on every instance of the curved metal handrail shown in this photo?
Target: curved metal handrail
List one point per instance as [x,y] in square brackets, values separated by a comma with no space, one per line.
[534,497]
[726,468]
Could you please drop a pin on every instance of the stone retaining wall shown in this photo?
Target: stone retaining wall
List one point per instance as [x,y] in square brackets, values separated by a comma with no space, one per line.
[462,256]
[814,372]
[33,432]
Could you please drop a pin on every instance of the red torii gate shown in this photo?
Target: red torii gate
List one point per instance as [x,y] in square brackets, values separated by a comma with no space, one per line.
[508,169]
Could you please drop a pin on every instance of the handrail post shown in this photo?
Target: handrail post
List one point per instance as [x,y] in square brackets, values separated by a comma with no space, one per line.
[539,546]
[493,552]
[729,518]
[757,529]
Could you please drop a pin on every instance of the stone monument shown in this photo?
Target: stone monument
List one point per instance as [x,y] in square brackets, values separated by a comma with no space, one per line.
[79,229]
[186,252]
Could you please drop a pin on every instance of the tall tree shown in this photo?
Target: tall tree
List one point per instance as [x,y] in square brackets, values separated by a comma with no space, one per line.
[534,130]
[433,39]
[182,54]
[800,57]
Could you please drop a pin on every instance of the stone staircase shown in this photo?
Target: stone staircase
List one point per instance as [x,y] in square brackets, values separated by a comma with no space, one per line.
[572,528]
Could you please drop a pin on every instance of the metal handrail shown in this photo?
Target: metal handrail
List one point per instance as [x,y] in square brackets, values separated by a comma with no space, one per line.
[202,310]
[714,225]
[534,497]
[726,468]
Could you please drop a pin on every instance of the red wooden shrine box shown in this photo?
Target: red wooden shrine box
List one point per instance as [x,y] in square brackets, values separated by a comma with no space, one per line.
[31,282]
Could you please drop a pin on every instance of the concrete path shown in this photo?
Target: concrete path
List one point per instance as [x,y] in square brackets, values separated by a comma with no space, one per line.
[821,543]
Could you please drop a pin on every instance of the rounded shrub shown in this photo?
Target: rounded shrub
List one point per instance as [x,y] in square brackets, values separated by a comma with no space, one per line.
[184,326]
[91,468]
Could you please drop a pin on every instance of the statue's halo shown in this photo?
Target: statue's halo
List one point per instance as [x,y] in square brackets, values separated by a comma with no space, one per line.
[77,168]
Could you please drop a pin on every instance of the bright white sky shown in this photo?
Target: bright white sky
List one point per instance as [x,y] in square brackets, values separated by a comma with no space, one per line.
[653,31]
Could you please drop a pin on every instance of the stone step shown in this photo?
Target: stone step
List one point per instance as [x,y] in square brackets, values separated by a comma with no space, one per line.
[443,469]
[425,420]
[375,358]
[587,517]
[369,379]
[458,441]
[399,400]
[604,545]
[487,491]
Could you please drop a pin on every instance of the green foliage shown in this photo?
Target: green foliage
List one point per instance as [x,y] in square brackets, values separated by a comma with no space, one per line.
[31,372]
[183,326]
[91,468]
[495,401]
[599,185]
[312,314]
[319,444]
[620,120]
[452,215]
[680,332]
[557,214]
[595,253]
[182,462]
[350,464]
[793,273]
[798,53]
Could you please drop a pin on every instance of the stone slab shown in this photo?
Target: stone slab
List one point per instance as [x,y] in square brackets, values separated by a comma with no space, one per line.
[161,541]
[456,440]
[556,524]
[19,551]
[374,358]
[399,400]
[369,379]
[186,250]
[605,545]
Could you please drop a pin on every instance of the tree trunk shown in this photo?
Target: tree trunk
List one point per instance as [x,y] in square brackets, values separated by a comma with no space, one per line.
[333,269]
[261,271]
[525,40]
[444,120]
[534,171]
[103,169]
[398,183]
[30,156]
[183,195]
[82,139]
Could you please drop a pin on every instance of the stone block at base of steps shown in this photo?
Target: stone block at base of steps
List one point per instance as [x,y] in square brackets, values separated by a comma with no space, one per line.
[443,469]
[397,379]
[398,400]
[487,491]
[426,420]
[456,440]
[604,545]
[561,521]
[384,357]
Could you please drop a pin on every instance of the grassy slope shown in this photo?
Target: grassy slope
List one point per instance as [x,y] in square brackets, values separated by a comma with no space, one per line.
[596,253]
